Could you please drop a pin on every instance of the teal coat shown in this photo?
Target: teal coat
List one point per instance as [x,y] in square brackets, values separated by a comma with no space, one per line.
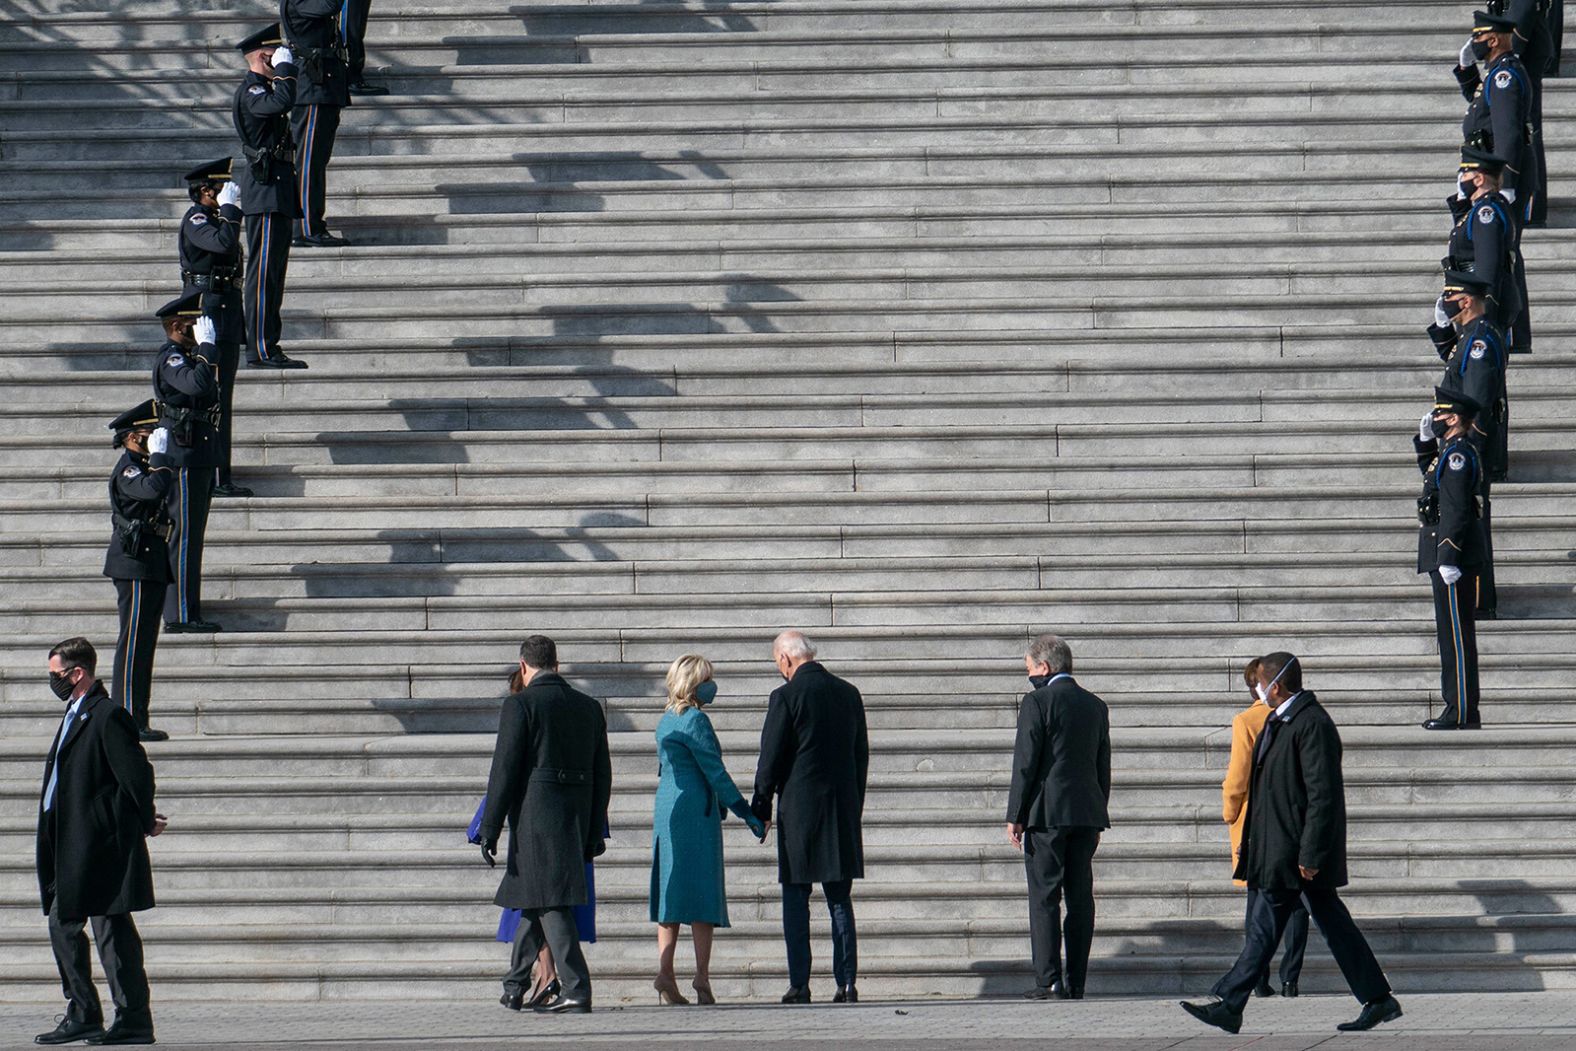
[693,787]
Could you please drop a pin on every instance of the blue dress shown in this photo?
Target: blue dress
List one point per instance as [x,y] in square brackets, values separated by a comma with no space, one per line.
[509,922]
[693,787]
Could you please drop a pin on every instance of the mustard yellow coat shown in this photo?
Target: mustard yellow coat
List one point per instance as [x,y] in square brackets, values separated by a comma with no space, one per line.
[1245,730]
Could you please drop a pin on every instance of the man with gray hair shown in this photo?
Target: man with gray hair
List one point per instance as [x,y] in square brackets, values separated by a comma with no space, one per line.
[815,757]
[1056,810]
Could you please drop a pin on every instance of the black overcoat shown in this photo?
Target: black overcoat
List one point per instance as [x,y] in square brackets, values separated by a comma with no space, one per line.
[815,755]
[1296,803]
[551,781]
[1061,763]
[103,812]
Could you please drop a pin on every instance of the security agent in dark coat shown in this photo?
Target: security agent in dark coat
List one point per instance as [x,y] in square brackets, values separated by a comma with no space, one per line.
[138,560]
[1294,848]
[1500,113]
[1056,809]
[266,176]
[311,28]
[1486,241]
[815,758]
[209,245]
[95,813]
[1450,549]
[551,781]
[186,392]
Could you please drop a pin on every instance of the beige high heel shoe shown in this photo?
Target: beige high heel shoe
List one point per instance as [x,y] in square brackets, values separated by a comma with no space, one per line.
[703,994]
[668,992]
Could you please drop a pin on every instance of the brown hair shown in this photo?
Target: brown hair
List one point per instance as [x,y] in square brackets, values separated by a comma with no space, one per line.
[76,652]
[1250,675]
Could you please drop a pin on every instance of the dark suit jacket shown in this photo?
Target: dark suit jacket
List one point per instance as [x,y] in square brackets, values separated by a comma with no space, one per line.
[551,781]
[92,846]
[1297,805]
[815,755]
[1061,764]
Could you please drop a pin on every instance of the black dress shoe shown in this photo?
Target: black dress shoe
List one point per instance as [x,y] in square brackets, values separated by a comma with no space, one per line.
[148,733]
[562,1005]
[1289,989]
[231,489]
[1441,723]
[276,360]
[192,627]
[323,240]
[846,994]
[513,999]
[1487,614]
[797,994]
[1263,989]
[1216,1014]
[550,991]
[1385,1009]
[361,87]
[69,1031]
[127,1029]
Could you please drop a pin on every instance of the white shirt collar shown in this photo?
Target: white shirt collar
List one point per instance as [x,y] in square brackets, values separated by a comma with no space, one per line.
[1281,711]
[1060,675]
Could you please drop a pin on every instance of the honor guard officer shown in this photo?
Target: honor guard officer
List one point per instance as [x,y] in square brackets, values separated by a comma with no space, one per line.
[312,29]
[1499,116]
[1486,241]
[1534,43]
[138,557]
[186,390]
[268,190]
[353,34]
[210,252]
[1450,550]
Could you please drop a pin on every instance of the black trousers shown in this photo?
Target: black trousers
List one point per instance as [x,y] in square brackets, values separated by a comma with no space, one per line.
[1294,943]
[1456,628]
[227,311]
[1059,863]
[188,508]
[141,605]
[353,34]
[1267,920]
[315,127]
[267,259]
[120,952]
[796,932]
[1521,327]
[1487,597]
[557,928]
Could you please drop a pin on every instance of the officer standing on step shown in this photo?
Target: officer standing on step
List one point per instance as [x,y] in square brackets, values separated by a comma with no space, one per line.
[1486,241]
[186,391]
[268,191]
[1501,116]
[210,254]
[353,34]
[1533,41]
[138,556]
[1450,550]
[312,29]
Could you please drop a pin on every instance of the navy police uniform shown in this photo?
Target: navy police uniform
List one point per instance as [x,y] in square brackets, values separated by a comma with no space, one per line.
[1500,115]
[353,34]
[1450,534]
[261,111]
[1536,40]
[138,562]
[210,255]
[186,391]
[1486,242]
[312,30]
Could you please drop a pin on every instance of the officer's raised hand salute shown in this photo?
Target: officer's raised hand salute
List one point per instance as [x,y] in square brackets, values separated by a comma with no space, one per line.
[1499,118]
[1485,242]
[138,556]
[1534,42]
[186,390]
[1450,550]
[312,29]
[268,189]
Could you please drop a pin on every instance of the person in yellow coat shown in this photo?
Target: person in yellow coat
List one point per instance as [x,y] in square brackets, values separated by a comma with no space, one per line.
[1245,730]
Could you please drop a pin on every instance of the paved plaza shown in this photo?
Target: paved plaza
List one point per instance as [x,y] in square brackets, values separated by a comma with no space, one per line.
[1434,1022]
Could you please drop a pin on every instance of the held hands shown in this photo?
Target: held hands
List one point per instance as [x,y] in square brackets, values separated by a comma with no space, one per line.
[1306,873]
[490,852]
[160,823]
[1449,574]
[229,194]
[757,828]
[1015,835]
[204,331]
[159,441]
[283,55]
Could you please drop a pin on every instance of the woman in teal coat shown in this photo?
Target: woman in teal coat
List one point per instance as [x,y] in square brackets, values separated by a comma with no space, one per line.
[693,787]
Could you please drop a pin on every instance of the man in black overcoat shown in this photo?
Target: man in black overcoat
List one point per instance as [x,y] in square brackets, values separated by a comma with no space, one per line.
[815,756]
[94,815]
[1294,847]
[1056,810]
[551,781]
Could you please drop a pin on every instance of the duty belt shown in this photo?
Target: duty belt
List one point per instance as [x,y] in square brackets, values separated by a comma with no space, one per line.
[216,281]
[179,415]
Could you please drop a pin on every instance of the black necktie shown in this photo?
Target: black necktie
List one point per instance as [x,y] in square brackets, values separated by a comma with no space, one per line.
[1266,737]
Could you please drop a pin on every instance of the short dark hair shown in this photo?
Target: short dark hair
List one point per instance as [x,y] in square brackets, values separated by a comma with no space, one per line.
[539,651]
[76,653]
[1281,667]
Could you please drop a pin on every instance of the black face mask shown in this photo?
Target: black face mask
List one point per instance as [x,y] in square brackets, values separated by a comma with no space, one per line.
[1480,49]
[61,685]
[1439,427]
[1468,189]
[1040,682]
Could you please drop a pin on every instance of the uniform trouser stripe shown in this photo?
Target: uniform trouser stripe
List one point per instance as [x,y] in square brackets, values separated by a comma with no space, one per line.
[123,675]
[259,336]
[304,173]
[1452,598]
[186,532]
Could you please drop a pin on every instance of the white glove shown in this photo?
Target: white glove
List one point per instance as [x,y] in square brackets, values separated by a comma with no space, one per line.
[159,441]
[283,54]
[1449,574]
[1466,60]
[1425,429]
[204,331]
[229,194]
[1441,315]
[1510,195]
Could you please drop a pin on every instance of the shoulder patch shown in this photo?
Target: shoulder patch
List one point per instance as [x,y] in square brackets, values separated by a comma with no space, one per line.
[1478,347]
[175,359]
[257,89]
[1486,214]
[198,219]
[1502,79]
[131,471]
[1457,461]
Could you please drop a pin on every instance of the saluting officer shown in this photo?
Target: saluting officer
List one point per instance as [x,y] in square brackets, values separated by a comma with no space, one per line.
[186,391]
[1499,116]
[210,252]
[268,191]
[353,34]
[138,556]
[1486,240]
[1450,550]
[1534,42]
[312,29]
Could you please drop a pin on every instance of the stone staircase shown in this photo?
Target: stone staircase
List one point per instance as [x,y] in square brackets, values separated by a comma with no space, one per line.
[923,327]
